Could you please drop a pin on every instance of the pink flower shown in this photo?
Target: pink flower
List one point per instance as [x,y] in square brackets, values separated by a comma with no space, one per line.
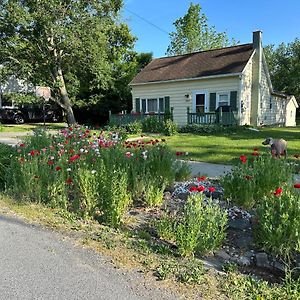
[50,162]
[128,154]
[74,157]
[58,168]
[243,159]
[212,189]
[193,189]
[201,188]
[69,181]
[255,153]
[201,178]
[278,192]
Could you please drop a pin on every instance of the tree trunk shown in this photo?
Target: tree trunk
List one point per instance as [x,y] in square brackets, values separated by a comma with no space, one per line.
[65,99]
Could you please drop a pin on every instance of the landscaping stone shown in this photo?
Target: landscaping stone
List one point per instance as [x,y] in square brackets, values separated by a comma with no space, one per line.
[243,261]
[239,224]
[262,260]
[244,242]
[222,254]
[279,266]
[167,196]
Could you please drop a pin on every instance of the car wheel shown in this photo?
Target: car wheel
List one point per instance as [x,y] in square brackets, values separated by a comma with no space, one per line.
[19,119]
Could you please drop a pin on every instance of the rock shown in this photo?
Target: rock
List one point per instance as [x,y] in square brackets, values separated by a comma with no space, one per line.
[167,196]
[249,254]
[222,254]
[262,260]
[279,266]
[183,196]
[243,261]
[239,224]
[244,241]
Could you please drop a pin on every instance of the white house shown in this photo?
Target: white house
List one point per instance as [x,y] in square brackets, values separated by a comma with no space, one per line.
[201,82]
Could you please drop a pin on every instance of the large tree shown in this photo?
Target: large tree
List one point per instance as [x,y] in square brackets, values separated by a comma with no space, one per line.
[284,67]
[194,34]
[69,45]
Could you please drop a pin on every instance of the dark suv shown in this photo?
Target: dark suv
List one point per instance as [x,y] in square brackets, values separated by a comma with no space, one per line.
[31,113]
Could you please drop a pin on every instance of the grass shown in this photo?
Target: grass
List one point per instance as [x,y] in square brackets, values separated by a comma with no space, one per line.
[226,147]
[30,126]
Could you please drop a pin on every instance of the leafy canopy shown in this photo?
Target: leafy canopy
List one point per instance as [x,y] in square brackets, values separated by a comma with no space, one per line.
[194,34]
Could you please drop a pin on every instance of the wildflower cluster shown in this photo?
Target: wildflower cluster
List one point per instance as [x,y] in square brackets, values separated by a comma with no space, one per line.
[87,172]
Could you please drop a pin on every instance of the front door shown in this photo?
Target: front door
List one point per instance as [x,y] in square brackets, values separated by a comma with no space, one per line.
[200,102]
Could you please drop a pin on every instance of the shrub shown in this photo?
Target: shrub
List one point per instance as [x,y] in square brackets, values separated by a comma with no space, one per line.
[152,124]
[7,154]
[252,179]
[170,128]
[198,227]
[278,227]
[135,127]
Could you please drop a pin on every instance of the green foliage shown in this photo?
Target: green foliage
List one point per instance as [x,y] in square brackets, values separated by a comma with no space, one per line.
[207,129]
[278,227]
[249,182]
[7,154]
[191,272]
[40,139]
[246,287]
[75,63]
[153,194]
[199,228]
[170,128]
[152,124]
[194,34]
[135,128]
[284,66]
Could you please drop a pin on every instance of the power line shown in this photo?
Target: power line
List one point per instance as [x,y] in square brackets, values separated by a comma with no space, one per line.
[147,21]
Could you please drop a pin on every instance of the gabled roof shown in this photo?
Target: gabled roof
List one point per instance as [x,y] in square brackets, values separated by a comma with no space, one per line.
[224,61]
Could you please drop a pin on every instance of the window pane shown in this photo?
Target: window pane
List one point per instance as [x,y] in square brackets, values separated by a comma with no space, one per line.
[152,105]
[200,99]
[200,109]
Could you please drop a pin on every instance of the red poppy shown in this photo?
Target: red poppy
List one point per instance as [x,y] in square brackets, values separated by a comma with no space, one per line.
[296,155]
[278,192]
[179,153]
[50,162]
[193,189]
[74,157]
[201,178]
[248,177]
[22,145]
[69,181]
[70,128]
[255,149]
[297,185]
[201,188]
[243,159]
[212,189]
[255,153]
[21,159]
[58,168]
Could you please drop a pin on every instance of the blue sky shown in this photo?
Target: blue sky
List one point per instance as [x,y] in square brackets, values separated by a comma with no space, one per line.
[279,20]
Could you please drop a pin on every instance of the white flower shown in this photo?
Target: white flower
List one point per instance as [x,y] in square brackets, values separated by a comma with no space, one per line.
[52,157]
[86,151]
[81,150]
[93,172]
[69,169]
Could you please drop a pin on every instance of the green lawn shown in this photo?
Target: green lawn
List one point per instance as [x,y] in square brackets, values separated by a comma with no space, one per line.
[30,126]
[227,147]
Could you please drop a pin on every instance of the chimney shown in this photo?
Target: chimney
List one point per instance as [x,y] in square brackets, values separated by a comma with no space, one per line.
[256,78]
[257,44]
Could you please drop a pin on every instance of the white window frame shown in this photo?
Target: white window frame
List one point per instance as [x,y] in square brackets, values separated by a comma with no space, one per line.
[206,100]
[218,97]
[157,107]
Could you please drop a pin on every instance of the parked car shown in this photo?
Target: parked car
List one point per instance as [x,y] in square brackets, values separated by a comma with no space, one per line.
[31,113]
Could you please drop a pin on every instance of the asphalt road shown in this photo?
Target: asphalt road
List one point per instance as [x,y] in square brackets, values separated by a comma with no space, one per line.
[36,263]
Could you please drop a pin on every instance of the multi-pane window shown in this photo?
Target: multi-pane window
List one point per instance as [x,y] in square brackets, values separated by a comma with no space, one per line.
[152,105]
[223,99]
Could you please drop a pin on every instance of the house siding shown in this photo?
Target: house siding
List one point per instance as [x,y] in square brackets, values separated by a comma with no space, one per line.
[290,113]
[246,90]
[177,91]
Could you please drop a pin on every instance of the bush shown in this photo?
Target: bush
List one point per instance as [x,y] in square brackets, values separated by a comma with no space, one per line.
[7,154]
[134,128]
[198,228]
[152,124]
[170,128]
[254,178]
[277,230]
[207,129]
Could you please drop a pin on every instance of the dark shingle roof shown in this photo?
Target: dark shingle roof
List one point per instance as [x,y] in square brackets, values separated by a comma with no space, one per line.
[195,65]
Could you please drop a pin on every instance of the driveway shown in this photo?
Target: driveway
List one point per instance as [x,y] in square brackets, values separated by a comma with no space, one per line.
[39,264]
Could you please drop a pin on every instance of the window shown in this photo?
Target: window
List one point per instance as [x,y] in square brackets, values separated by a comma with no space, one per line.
[200,101]
[222,99]
[152,105]
[271,103]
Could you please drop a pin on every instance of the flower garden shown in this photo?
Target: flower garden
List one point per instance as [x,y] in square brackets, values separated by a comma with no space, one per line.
[102,176]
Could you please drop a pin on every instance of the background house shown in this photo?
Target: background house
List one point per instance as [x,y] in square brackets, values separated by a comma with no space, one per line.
[201,82]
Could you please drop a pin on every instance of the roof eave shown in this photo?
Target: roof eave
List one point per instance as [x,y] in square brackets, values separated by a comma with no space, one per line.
[188,79]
